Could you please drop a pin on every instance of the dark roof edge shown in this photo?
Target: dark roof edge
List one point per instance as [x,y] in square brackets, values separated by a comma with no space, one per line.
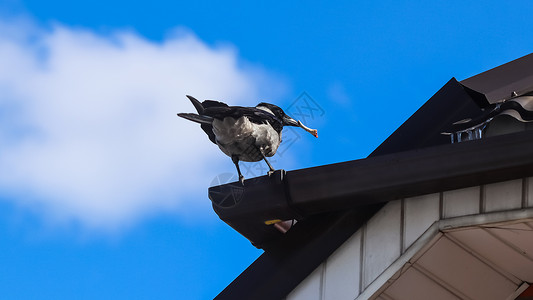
[450,104]
[411,173]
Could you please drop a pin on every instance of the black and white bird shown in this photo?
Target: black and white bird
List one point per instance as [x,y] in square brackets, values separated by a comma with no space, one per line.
[243,133]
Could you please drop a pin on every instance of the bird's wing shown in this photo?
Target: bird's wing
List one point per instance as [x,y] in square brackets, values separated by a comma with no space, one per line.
[213,103]
[259,116]
[255,115]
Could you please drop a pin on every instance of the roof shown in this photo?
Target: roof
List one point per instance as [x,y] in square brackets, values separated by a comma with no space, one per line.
[331,202]
[514,78]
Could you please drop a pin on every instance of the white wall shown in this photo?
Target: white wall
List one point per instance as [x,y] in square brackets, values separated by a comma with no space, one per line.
[380,247]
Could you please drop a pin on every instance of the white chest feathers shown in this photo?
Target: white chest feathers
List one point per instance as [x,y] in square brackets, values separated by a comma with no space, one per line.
[245,139]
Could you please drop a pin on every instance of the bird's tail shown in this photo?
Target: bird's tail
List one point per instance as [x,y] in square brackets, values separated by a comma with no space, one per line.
[197,104]
[197,118]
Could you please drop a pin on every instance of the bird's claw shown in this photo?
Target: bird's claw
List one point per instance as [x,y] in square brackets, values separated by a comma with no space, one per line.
[269,173]
[241,179]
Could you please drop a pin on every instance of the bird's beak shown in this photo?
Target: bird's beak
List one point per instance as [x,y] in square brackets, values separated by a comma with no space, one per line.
[292,122]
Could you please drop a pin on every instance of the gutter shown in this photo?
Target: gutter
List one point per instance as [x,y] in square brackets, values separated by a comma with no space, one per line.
[300,194]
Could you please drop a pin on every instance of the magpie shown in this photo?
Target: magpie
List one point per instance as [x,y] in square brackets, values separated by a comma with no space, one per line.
[243,133]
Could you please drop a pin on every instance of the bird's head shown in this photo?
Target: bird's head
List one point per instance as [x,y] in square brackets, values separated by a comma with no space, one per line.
[287,121]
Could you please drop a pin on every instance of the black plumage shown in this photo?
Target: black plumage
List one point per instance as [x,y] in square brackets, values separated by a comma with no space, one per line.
[243,133]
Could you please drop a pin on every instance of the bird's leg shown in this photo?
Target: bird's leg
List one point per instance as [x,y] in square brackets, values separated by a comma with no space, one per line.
[235,160]
[271,171]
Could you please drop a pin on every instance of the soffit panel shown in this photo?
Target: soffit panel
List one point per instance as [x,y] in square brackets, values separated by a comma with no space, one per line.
[402,289]
[498,252]
[520,235]
[475,262]
[463,271]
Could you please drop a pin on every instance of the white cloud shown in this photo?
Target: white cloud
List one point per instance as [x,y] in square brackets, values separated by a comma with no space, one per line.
[88,125]
[338,94]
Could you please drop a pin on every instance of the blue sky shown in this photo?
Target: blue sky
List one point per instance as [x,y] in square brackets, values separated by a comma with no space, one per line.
[103,190]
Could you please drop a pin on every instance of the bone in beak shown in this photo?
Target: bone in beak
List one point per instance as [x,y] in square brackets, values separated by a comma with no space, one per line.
[311,131]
